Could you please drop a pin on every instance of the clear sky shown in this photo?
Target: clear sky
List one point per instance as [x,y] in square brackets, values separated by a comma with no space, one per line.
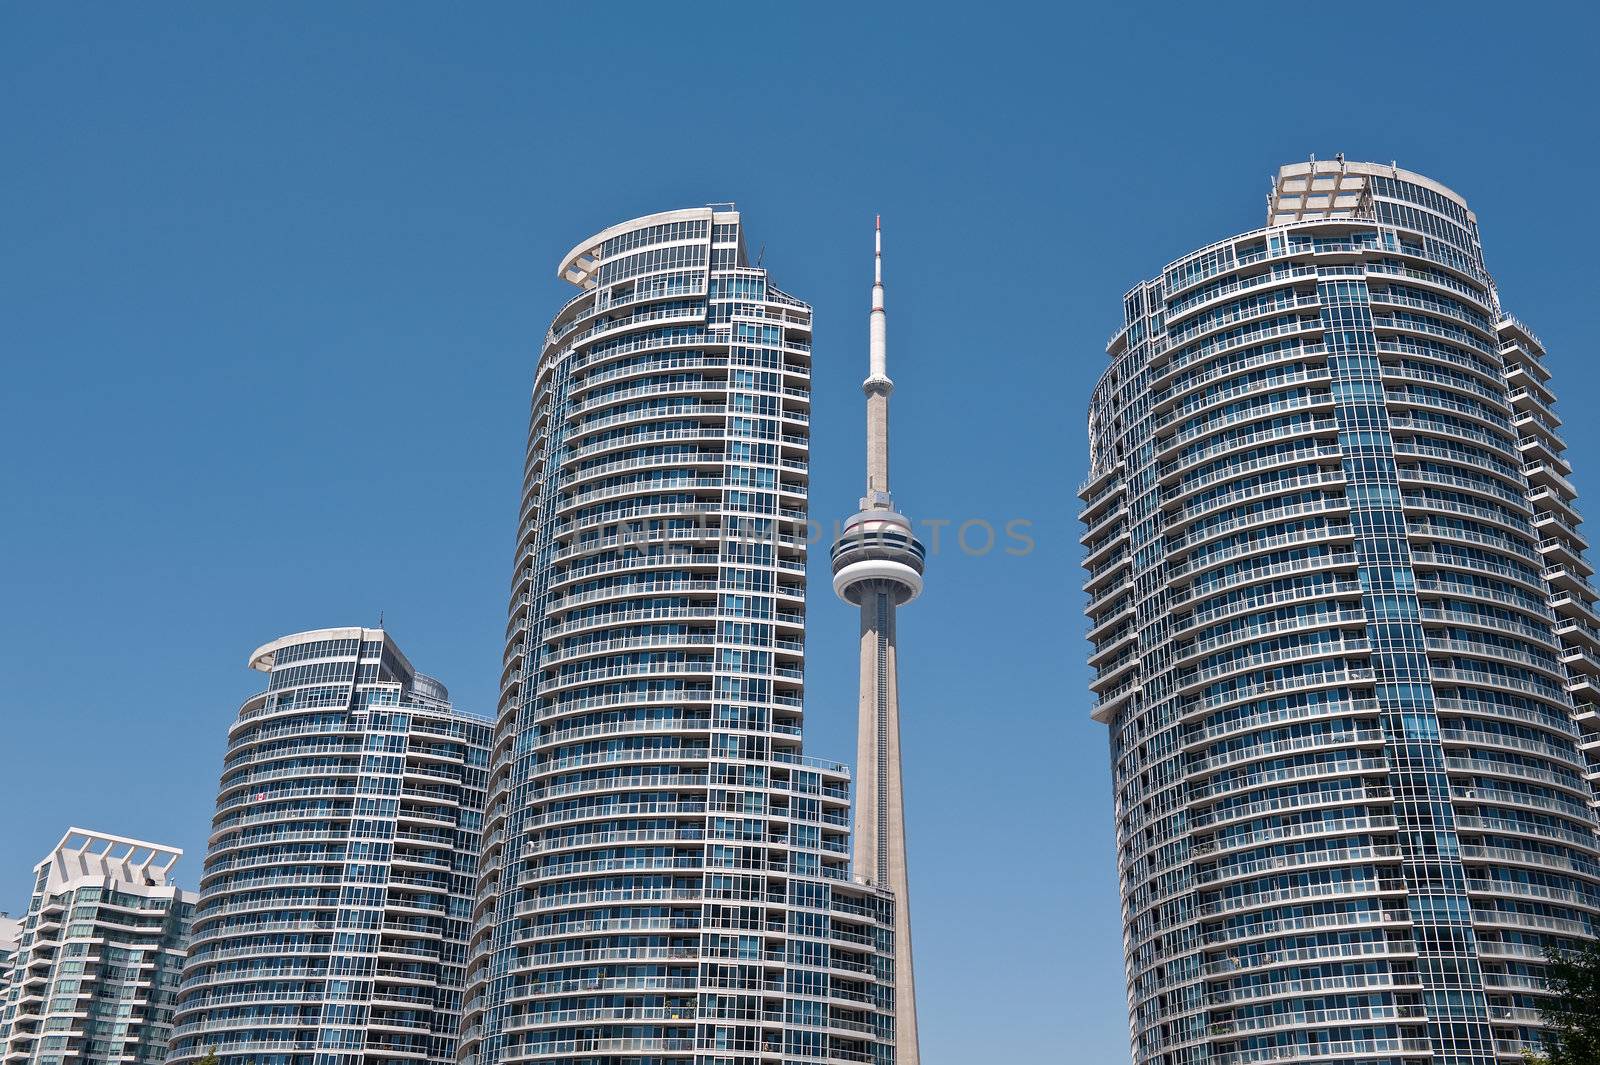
[272,283]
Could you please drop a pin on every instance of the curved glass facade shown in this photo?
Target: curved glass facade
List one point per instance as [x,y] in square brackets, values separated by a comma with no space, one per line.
[1327,523]
[665,876]
[334,905]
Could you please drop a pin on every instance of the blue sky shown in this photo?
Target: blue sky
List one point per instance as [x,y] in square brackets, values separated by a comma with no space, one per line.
[272,283]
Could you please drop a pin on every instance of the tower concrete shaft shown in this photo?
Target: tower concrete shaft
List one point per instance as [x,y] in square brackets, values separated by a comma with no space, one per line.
[880,851]
[877,565]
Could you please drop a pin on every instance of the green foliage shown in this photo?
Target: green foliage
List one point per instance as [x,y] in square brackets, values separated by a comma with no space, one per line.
[210,1058]
[1574,1013]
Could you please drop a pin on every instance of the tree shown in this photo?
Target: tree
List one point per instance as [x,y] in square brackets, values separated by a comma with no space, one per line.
[1573,1013]
[210,1058]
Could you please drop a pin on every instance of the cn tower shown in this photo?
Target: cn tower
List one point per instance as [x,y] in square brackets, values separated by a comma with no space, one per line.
[877,566]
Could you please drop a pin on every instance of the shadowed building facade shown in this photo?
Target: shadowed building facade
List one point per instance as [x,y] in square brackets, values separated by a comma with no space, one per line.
[1343,638]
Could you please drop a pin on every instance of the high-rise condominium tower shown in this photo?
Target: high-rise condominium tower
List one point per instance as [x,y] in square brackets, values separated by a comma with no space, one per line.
[877,566]
[665,877]
[96,962]
[1328,523]
[333,912]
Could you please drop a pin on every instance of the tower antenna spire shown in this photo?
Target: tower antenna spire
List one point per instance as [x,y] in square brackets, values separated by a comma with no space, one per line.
[877,250]
[877,386]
